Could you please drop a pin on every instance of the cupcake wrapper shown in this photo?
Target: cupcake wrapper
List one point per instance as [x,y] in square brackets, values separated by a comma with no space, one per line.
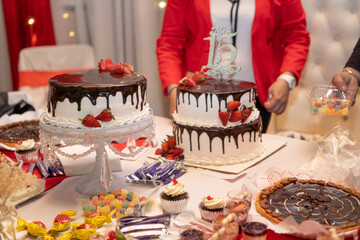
[27,156]
[211,216]
[174,206]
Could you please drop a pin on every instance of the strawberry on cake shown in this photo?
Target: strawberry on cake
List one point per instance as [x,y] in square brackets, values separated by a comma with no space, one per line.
[109,96]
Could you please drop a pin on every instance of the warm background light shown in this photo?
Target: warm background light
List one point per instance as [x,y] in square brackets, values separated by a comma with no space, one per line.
[31,21]
[71,34]
[162,4]
[65,15]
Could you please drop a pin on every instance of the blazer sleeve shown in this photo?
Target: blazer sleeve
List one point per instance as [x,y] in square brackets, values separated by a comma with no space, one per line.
[171,43]
[294,37]
[354,60]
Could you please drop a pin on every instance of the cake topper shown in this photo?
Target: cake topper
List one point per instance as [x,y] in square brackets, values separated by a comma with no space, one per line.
[213,67]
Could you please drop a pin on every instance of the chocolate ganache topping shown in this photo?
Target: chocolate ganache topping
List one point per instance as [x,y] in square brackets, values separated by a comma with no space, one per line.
[95,83]
[325,202]
[222,133]
[222,89]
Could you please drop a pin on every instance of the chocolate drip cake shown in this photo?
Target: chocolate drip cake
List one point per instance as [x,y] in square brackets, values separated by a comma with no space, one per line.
[199,127]
[75,95]
[330,204]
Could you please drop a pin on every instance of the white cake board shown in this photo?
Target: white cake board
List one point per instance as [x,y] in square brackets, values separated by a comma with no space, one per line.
[270,147]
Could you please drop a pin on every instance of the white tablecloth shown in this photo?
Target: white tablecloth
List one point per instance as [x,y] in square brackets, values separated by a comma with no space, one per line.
[45,207]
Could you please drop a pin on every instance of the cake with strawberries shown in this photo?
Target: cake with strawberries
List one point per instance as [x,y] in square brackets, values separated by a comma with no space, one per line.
[109,96]
[216,121]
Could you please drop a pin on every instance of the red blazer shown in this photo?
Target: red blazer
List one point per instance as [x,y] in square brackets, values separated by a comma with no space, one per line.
[280,41]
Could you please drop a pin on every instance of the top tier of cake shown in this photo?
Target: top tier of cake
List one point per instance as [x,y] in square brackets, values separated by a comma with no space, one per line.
[200,105]
[72,96]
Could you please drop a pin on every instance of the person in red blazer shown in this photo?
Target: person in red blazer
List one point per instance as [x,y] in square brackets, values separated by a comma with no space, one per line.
[279,45]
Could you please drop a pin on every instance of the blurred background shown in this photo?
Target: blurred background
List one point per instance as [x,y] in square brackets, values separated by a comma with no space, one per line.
[126,30]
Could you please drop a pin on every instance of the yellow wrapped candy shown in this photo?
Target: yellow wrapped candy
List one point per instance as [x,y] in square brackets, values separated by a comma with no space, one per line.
[62,221]
[35,228]
[81,231]
[97,219]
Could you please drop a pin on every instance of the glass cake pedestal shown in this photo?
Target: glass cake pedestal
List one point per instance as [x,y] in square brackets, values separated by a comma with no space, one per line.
[100,179]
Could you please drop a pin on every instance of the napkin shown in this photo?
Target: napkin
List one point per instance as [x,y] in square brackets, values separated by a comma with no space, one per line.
[85,165]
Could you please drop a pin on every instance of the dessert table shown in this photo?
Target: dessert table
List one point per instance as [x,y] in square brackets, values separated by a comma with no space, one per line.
[198,182]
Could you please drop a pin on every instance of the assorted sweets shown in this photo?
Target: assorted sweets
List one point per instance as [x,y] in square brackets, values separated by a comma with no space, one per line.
[216,122]
[26,150]
[174,197]
[109,96]
[122,201]
[329,101]
[211,208]
[331,107]
[328,203]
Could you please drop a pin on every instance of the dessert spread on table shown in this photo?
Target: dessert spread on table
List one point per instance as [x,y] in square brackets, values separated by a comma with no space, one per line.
[330,204]
[112,95]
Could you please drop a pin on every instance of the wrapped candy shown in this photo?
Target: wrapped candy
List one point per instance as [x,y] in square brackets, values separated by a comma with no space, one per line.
[35,228]
[81,231]
[97,219]
[62,221]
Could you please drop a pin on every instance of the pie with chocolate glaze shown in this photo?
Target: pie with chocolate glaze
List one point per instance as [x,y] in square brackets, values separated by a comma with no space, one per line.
[10,134]
[328,203]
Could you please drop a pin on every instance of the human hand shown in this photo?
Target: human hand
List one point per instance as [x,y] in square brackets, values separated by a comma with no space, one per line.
[347,83]
[172,98]
[278,95]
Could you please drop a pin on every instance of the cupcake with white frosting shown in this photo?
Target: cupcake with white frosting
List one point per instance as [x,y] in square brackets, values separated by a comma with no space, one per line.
[26,150]
[174,197]
[212,208]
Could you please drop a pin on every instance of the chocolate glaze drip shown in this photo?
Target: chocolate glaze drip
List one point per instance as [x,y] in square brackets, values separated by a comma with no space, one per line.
[93,84]
[222,133]
[326,203]
[222,89]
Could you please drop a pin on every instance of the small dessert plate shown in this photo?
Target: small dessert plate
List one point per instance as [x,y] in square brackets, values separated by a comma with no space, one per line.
[329,100]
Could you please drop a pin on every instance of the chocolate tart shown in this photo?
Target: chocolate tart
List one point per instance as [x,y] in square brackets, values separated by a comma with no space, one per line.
[332,205]
[10,134]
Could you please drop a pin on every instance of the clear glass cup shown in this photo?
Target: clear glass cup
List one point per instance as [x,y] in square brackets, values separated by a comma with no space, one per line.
[240,209]
[240,195]
[254,228]
[193,232]
[7,223]
[226,228]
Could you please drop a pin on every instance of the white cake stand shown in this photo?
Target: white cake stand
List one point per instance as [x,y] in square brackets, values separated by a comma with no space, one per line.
[100,178]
